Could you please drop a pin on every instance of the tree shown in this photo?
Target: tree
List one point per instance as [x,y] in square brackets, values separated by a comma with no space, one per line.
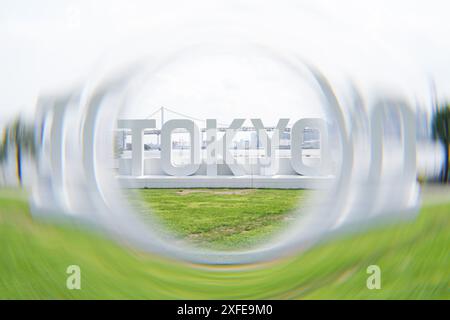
[441,131]
[19,137]
[3,146]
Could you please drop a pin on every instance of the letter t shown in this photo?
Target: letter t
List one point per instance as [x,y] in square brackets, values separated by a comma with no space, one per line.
[137,134]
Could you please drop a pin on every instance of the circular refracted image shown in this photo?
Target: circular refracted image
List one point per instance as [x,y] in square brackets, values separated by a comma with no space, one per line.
[224,149]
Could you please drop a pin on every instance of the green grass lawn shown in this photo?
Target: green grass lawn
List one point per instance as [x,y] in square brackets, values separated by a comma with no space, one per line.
[221,218]
[413,256]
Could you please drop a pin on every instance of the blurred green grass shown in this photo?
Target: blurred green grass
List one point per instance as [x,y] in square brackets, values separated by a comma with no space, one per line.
[221,218]
[413,257]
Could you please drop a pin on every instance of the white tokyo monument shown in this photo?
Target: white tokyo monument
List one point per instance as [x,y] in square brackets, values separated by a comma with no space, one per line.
[217,162]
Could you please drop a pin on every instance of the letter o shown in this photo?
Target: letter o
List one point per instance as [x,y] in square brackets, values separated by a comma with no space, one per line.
[166,147]
[297,151]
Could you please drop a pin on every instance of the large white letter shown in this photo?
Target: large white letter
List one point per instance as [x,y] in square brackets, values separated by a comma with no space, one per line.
[406,179]
[226,140]
[270,165]
[221,147]
[296,147]
[166,147]
[137,133]
[211,147]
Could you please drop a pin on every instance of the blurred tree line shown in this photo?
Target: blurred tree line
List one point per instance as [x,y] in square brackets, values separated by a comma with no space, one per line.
[18,139]
[441,132]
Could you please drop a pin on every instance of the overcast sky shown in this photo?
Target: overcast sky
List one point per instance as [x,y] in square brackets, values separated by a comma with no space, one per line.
[53,45]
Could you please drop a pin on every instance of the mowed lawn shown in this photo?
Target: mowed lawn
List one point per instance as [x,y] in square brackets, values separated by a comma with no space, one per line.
[34,255]
[221,218]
